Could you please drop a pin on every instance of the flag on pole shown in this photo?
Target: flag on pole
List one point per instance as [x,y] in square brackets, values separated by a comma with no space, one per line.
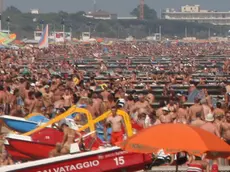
[43,42]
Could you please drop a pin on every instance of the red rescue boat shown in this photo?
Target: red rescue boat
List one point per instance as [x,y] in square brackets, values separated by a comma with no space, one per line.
[40,144]
[15,155]
[111,159]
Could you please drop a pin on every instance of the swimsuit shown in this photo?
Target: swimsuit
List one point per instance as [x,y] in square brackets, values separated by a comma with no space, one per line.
[116,137]
[195,168]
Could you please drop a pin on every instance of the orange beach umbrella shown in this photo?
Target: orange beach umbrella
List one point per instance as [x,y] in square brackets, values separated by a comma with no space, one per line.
[174,138]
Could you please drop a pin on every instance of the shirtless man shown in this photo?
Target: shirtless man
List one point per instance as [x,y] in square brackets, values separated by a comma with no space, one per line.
[218,111]
[38,104]
[2,96]
[142,103]
[105,94]
[182,111]
[159,111]
[96,104]
[153,119]
[17,111]
[68,99]
[150,98]
[129,104]
[225,128]
[210,126]
[141,117]
[116,122]
[29,101]
[194,109]
[8,101]
[47,96]
[21,87]
[107,105]
[172,106]
[181,116]
[166,117]
[58,93]
[59,104]
[206,109]
[198,122]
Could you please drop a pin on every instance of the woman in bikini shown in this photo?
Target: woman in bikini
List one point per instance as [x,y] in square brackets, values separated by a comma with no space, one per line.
[69,137]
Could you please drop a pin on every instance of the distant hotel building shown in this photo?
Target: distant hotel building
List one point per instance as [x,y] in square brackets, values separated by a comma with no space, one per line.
[34,11]
[195,14]
[103,15]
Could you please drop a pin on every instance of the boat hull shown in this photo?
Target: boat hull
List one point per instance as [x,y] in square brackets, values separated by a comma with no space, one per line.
[40,144]
[18,124]
[107,160]
[15,155]
[32,149]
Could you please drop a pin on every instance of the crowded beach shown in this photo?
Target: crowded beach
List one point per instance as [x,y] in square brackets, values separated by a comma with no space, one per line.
[154,83]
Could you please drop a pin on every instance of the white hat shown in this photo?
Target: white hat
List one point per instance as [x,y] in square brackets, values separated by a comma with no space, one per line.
[47,86]
[63,122]
[121,102]
[165,109]
[209,118]
[37,83]
[32,84]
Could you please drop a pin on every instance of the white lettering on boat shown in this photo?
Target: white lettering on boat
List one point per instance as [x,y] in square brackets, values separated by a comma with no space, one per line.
[70,168]
[115,154]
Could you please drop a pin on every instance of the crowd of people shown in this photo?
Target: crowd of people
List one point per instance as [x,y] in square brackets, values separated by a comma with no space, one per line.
[27,85]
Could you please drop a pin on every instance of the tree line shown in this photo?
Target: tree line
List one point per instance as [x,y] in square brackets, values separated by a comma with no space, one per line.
[23,24]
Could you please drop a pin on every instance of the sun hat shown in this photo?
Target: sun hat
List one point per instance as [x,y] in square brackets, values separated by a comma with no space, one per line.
[165,109]
[209,118]
[47,86]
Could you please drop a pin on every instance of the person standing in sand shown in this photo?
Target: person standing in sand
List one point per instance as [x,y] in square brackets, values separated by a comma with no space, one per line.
[225,128]
[68,99]
[166,117]
[194,109]
[198,122]
[116,122]
[210,126]
[38,105]
[47,96]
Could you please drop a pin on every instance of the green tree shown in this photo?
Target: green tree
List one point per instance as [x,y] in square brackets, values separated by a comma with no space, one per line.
[149,13]
[12,9]
[22,24]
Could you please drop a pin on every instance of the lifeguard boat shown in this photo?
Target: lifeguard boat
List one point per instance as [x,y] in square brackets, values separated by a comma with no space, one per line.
[37,144]
[111,159]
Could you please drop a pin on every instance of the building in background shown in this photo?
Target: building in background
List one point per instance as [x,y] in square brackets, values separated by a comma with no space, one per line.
[103,15]
[34,11]
[193,13]
[100,14]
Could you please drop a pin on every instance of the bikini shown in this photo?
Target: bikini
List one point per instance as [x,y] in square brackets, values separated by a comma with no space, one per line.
[67,145]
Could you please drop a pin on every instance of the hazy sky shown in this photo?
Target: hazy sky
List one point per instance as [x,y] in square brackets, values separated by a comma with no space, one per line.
[121,7]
